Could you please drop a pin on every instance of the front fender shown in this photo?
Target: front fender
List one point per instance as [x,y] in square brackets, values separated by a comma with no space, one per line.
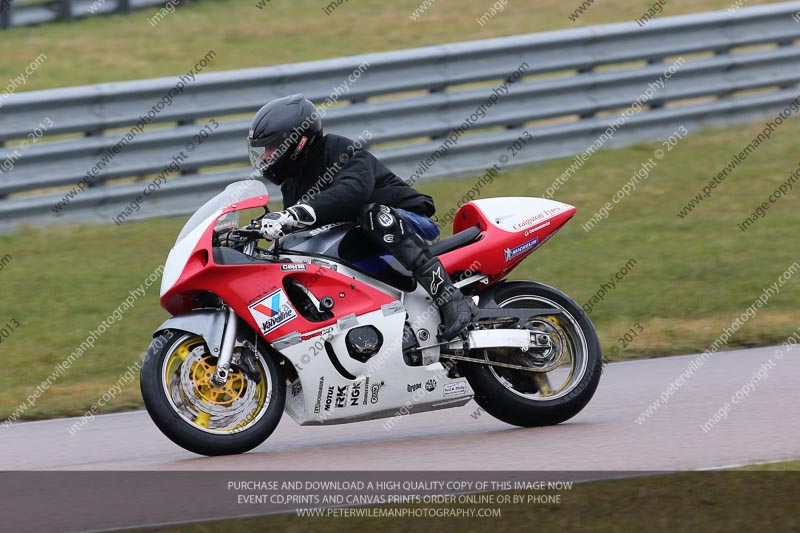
[206,323]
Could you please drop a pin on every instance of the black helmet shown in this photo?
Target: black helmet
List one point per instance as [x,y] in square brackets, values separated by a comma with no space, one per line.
[281,135]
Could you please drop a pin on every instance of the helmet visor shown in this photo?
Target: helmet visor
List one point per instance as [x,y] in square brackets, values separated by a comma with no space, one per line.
[265,155]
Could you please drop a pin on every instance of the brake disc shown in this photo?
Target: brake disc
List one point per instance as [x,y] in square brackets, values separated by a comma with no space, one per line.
[229,404]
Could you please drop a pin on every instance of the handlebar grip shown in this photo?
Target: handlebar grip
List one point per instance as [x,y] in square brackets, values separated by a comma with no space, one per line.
[247,233]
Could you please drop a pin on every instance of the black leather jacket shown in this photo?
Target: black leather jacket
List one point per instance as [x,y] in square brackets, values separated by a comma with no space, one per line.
[337,181]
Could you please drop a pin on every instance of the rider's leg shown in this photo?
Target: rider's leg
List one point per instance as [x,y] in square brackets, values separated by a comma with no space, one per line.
[387,228]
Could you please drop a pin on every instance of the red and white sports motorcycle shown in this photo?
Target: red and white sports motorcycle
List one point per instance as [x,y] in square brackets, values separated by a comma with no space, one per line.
[330,330]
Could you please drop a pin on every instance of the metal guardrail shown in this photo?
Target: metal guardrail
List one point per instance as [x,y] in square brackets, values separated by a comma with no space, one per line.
[576,82]
[15,13]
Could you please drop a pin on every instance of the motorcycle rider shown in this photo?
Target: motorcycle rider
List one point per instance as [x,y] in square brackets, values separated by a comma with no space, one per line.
[324,178]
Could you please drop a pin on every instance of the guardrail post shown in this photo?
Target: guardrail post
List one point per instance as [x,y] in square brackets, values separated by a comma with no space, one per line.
[5,14]
[124,6]
[186,122]
[65,9]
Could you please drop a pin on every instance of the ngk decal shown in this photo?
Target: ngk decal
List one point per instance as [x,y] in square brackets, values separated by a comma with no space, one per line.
[355,393]
[272,311]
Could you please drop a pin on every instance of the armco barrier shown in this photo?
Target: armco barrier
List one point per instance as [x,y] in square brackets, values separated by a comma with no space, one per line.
[699,70]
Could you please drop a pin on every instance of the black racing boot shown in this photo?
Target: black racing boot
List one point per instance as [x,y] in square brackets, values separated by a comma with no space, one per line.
[385,228]
[456,309]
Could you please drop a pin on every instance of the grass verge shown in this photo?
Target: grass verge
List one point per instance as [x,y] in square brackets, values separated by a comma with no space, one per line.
[125,47]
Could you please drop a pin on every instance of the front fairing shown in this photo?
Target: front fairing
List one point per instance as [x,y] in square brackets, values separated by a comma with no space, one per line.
[221,212]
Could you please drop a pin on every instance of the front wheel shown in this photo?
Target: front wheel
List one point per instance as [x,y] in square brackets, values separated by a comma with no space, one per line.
[569,362]
[196,413]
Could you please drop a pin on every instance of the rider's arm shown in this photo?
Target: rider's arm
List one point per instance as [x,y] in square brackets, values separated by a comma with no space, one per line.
[350,188]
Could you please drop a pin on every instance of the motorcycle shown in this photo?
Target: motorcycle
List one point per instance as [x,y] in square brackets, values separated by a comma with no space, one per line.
[330,330]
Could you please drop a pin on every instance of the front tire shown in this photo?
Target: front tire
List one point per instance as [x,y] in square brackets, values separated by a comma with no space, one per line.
[528,399]
[196,414]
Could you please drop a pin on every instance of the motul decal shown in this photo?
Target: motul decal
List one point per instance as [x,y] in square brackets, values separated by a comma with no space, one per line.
[272,311]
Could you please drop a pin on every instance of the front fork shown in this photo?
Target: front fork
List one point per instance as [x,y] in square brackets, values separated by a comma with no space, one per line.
[226,351]
[229,337]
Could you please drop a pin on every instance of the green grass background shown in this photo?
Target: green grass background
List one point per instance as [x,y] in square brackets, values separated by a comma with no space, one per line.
[124,47]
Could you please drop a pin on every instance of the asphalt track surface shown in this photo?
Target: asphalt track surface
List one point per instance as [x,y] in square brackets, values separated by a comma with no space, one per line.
[762,426]
[604,436]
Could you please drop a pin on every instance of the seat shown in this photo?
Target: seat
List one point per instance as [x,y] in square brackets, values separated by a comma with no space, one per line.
[346,243]
[462,238]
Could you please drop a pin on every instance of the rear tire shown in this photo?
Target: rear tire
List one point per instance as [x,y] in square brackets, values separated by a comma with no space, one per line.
[157,378]
[498,397]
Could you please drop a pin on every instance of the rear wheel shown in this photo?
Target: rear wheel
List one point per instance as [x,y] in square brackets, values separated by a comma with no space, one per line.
[568,362]
[196,413]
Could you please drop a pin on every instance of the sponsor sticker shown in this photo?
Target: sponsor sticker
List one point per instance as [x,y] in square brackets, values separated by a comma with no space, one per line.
[385,220]
[456,388]
[323,229]
[430,385]
[537,228]
[414,386]
[297,388]
[329,266]
[261,294]
[293,267]
[341,396]
[521,249]
[355,393]
[375,390]
[530,221]
[318,403]
[329,398]
[272,311]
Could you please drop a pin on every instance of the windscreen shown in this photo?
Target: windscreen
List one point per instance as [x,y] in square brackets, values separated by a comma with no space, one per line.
[233,193]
